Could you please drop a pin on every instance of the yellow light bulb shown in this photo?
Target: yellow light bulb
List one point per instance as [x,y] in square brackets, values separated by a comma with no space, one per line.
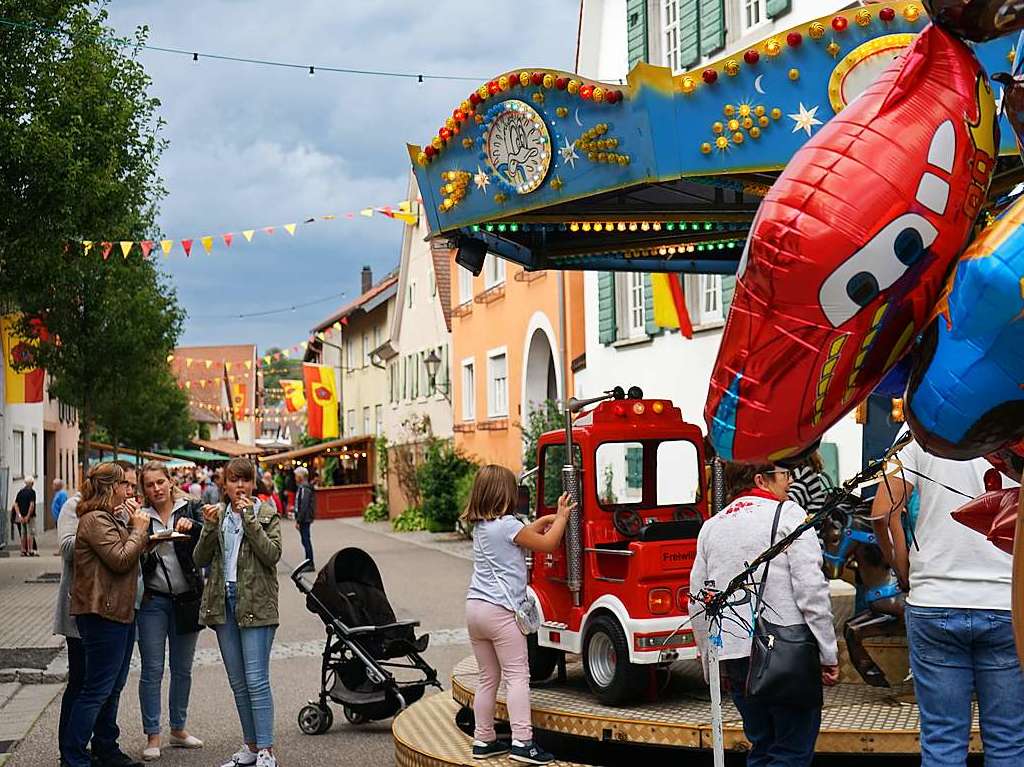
[911,13]
[729,110]
[744,110]
[688,85]
[717,127]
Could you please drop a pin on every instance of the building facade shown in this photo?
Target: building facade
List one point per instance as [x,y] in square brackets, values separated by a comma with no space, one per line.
[222,381]
[623,346]
[360,373]
[516,338]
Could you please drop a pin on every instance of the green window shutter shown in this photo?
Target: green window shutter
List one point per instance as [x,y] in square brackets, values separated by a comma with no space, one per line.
[712,26]
[651,328]
[636,30]
[777,8]
[607,329]
[634,467]
[689,33]
[728,288]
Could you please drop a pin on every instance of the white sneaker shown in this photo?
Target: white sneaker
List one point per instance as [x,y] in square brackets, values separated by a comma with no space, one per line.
[265,759]
[189,741]
[243,757]
[150,753]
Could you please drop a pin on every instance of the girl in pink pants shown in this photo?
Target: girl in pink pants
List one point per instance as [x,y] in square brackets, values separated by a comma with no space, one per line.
[496,589]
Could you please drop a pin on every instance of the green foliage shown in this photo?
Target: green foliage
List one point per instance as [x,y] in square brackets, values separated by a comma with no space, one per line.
[327,471]
[376,511]
[277,369]
[543,418]
[204,430]
[443,467]
[410,520]
[153,411]
[79,138]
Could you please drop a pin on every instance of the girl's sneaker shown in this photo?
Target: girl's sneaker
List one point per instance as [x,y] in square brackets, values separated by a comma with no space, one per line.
[265,759]
[483,750]
[530,753]
[243,757]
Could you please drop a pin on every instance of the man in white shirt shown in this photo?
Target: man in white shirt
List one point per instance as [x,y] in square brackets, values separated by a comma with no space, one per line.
[958,617]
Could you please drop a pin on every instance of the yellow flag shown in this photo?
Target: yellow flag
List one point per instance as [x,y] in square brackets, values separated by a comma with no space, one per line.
[290,228]
[408,218]
[368,212]
[166,245]
[87,244]
[126,247]
[248,233]
[207,243]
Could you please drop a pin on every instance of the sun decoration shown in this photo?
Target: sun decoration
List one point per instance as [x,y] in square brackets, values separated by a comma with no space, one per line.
[751,118]
[516,144]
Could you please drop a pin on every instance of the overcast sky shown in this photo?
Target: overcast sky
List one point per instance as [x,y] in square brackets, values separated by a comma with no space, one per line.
[253,146]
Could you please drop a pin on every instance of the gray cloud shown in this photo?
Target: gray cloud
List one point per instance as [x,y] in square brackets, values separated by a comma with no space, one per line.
[255,146]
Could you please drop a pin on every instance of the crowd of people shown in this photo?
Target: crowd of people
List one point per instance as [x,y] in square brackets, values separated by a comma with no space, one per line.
[147,561]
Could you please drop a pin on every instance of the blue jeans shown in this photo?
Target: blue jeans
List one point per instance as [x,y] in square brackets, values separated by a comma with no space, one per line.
[246,654]
[780,736]
[76,677]
[954,653]
[108,653]
[307,543]
[155,623]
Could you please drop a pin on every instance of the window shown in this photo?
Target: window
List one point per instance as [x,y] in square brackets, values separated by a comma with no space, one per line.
[465,285]
[620,473]
[411,291]
[433,283]
[350,422]
[670,32]
[468,391]
[631,305]
[377,332]
[682,484]
[35,454]
[350,355]
[414,377]
[494,270]
[552,461]
[651,472]
[754,13]
[378,420]
[392,383]
[704,299]
[18,454]
[366,420]
[497,384]
[366,349]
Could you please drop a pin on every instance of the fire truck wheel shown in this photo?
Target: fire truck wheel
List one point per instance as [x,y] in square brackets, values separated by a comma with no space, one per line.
[542,659]
[610,675]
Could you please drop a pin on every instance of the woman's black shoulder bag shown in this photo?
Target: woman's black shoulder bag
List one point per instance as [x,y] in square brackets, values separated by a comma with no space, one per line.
[785,666]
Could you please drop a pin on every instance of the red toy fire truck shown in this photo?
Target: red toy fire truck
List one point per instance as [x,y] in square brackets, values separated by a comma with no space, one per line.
[616,591]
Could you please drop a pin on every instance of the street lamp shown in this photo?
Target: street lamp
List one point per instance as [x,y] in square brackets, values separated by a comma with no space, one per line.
[432,363]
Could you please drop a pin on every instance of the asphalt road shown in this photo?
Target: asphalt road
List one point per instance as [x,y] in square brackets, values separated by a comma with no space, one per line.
[424,584]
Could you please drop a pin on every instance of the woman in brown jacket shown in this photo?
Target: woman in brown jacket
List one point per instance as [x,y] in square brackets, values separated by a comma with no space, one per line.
[112,534]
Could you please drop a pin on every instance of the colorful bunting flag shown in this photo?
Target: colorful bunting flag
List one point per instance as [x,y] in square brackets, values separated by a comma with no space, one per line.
[290,228]
[207,243]
[22,386]
[670,303]
[126,247]
[147,246]
[248,233]
[187,247]
[166,245]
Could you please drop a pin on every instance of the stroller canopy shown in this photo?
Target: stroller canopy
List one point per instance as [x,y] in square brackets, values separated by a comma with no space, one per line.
[349,586]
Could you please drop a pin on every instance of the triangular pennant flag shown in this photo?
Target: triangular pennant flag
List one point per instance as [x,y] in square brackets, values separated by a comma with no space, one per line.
[202,384]
[188,384]
[405,206]
[147,246]
[248,364]
[107,246]
[388,211]
[268,229]
[87,244]
[188,362]
[228,238]
[290,228]
[408,218]
[248,233]
[126,247]
[207,243]
[350,216]
[330,217]
[187,247]
[209,364]
[368,212]
[309,221]
[166,246]
[227,366]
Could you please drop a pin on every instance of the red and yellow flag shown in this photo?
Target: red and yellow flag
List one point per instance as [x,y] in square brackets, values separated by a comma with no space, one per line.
[239,398]
[25,385]
[294,397]
[670,303]
[321,401]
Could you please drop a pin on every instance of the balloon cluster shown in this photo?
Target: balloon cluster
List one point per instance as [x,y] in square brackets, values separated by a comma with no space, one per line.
[869,251]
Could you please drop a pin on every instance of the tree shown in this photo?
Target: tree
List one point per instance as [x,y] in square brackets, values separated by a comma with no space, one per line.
[152,410]
[79,146]
[277,369]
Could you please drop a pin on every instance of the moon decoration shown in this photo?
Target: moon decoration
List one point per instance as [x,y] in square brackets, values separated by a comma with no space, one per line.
[579,122]
[757,85]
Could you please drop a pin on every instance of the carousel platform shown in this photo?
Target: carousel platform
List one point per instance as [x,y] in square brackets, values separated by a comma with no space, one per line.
[857,719]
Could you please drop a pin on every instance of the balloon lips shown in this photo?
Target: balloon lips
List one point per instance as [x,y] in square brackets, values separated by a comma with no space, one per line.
[964,397]
[994,515]
[977,20]
[849,250]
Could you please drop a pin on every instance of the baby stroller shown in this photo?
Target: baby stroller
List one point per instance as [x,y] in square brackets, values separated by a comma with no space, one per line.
[363,642]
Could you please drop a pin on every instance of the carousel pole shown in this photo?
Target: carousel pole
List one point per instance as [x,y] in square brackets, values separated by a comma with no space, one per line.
[715,680]
[1018,580]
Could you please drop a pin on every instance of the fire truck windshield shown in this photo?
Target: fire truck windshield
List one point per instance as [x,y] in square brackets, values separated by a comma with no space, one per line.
[647,473]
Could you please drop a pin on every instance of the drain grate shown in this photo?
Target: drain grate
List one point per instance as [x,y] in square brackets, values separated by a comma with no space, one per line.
[45,578]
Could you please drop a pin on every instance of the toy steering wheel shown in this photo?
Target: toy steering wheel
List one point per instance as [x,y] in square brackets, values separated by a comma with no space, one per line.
[628,522]
[684,513]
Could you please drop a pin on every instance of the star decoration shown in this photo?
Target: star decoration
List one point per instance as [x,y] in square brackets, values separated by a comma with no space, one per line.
[568,153]
[481,179]
[805,119]
[557,183]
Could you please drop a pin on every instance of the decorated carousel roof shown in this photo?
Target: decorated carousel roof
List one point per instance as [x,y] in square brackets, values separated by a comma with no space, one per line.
[665,173]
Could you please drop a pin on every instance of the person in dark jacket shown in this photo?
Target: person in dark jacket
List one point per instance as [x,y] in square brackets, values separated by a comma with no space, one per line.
[305,511]
[169,614]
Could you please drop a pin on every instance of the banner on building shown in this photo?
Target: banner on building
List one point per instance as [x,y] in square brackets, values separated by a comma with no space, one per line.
[294,397]
[321,401]
[239,392]
[24,385]
[670,303]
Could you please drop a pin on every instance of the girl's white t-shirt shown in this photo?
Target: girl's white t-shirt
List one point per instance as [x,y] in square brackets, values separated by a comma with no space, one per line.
[499,565]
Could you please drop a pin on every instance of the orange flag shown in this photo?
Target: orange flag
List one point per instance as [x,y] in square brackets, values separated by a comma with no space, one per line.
[238,399]
[321,401]
[294,397]
[23,386]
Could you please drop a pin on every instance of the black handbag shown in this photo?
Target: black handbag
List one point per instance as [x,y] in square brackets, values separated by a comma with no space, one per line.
[785,666]
[186,606]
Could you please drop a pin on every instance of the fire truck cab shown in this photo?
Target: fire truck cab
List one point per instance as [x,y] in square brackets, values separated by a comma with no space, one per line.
[616,592]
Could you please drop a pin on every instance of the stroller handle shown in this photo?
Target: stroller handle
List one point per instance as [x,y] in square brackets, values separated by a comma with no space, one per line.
[303,567]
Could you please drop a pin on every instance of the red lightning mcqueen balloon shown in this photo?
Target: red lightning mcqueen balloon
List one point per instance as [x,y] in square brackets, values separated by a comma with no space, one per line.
[849,250]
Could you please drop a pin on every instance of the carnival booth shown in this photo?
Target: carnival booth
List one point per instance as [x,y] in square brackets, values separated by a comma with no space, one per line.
[838,170]
[343,472]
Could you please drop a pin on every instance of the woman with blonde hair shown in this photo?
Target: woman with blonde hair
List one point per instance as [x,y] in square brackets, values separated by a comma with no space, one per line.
[106,566]
[169,614]
[497,588]
[241,544]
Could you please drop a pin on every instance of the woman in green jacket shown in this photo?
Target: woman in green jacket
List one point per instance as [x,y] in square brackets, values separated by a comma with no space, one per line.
[241,544]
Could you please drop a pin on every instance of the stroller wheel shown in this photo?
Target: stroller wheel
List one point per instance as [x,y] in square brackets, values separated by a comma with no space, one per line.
[354,717]
[314,720]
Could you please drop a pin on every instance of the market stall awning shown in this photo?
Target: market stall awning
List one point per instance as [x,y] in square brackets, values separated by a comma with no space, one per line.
[554,171]
[122,452]
[323,447]
[198,455]
[228,447]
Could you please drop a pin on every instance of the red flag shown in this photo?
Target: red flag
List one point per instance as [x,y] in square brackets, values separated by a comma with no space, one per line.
[107,246]
[146,245]
[228,238]
[187,245]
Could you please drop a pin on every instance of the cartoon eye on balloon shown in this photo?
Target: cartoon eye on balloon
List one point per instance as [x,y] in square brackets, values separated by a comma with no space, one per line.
[977,20]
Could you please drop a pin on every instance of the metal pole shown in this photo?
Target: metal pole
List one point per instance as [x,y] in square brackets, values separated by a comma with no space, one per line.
[573,532]
[717,485]
[715,676]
